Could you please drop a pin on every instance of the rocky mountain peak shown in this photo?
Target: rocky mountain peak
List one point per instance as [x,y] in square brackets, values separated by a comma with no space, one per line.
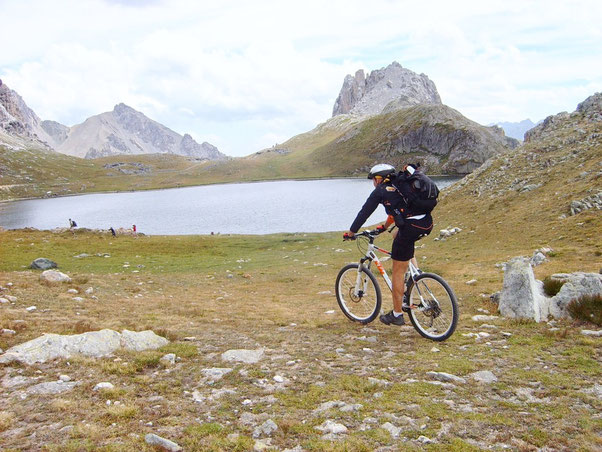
[384,90]
[17,119]
[125,130]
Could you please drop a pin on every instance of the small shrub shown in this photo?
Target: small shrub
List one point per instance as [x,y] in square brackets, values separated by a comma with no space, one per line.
[587,308]
[83,326]
[551,286]
[6,420]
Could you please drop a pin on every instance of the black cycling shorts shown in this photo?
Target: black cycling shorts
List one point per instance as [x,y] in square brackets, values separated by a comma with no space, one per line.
[412,230]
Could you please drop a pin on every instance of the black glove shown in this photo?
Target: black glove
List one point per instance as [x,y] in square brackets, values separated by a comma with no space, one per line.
[380,229]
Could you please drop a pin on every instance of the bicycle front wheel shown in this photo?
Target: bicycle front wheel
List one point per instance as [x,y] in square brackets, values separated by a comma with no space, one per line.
[434,308]
[358,293]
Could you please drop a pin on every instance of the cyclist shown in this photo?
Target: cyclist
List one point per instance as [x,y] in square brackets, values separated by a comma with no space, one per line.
[412,224]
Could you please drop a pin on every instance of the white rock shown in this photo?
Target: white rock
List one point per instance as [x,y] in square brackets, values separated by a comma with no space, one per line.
[90,290]
[78,299]
[278,379]
[72,291]
[435,350]
[94,343]
[445,377]
[424,440]
[31,308]
[329,426]
[3,300]
[472,282]
[244,356]
[7,332]
[265,429]
[168,359]
[484,318]
[483,376]
[54,277]
[329,312]
[103,385]
[214,374]
[594,333]
[52,387]
[165,444]
[64,378]
[392,429]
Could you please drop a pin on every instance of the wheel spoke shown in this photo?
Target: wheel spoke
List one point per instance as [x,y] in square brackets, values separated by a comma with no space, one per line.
[359,298]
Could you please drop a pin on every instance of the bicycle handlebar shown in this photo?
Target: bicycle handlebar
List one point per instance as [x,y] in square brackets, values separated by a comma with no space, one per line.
[370,234]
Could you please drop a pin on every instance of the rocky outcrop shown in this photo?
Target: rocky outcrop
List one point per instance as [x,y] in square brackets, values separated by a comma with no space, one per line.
[523,297]
[127,131]
[589,111]
[522,294]
[437,136]
[17,119]
[384,90]
[95,344]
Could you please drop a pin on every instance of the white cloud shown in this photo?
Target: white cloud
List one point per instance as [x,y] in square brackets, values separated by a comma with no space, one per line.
[244,75]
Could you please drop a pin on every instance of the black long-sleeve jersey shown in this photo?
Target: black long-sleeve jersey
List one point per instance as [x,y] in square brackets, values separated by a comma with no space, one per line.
[389,197]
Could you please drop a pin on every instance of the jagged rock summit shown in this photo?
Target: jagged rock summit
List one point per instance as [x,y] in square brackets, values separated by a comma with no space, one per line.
[121,131]
[128,131]
[17,119]
[384,90]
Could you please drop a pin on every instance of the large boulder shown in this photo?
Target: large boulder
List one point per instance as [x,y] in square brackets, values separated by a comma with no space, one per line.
[575,286]
[522,295]
[54,277]
[41,263]
[94,344]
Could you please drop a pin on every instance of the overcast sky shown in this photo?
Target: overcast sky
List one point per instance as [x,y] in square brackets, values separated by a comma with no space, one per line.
[244,75]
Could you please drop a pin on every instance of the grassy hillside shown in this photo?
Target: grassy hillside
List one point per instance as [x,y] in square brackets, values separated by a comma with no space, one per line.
[343,146]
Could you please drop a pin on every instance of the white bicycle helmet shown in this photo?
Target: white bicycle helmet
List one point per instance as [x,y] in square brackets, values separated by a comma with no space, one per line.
[381,170]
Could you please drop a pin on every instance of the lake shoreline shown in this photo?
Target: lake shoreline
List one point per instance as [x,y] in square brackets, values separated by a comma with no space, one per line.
[6,201]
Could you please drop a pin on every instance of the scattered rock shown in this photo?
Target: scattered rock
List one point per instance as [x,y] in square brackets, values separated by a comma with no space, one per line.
[54,277]
[594,333]
[424,440]
[265,429]
[483,376]
[214,374]
[392,429]
[31,308]
[244,356]
[41,263]
[103,385]
[445,377]
[165,444]
[329,426]
[94,343]
[168,359]
[472,282]
[52,387]
[484,318]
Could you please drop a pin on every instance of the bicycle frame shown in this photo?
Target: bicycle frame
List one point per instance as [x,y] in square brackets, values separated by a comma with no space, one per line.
[371,257]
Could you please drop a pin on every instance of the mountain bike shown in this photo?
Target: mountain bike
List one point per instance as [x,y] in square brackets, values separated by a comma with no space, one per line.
[429,301]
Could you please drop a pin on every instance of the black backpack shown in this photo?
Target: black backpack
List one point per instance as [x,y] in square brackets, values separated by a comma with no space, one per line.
[424,190]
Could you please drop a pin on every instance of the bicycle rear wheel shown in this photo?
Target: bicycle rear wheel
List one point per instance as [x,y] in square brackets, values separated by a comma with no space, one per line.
[434,313]
[358,293]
